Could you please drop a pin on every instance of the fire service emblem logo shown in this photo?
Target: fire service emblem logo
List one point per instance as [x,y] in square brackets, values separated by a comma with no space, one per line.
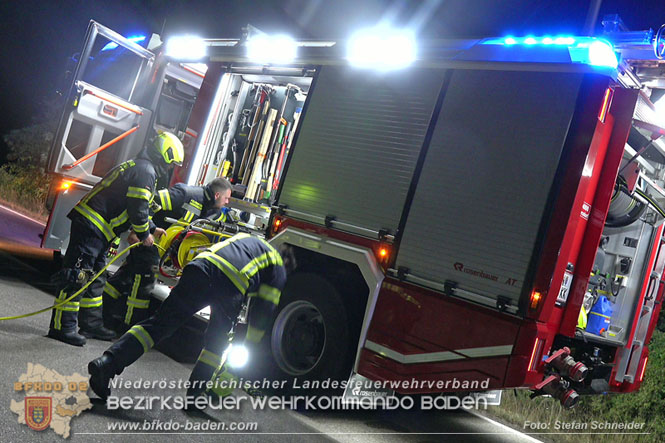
[38,412]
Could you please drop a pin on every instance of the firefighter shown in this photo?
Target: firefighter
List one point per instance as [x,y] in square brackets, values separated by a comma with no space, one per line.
[221,277]
[190,202]
[127,292]
[119,201]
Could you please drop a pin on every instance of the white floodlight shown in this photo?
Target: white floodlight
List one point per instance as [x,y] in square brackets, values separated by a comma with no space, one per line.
[382,48]
[601,53]
[265,48]
[238,356]
[186,47]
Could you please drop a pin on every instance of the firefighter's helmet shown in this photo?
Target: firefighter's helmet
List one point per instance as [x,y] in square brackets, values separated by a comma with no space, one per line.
[169,148]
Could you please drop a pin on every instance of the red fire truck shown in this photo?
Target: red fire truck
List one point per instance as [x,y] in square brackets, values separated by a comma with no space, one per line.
[489,216]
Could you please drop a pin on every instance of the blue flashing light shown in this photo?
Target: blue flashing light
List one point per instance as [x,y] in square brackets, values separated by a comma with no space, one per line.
[112,45]
[567,41]
[602,54]
[584,50]
[531,40]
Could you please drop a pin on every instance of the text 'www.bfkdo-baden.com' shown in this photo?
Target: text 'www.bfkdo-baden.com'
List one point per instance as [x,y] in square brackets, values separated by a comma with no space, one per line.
[181,426]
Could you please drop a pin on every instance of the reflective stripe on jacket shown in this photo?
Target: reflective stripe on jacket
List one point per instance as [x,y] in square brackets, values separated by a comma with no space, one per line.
[121,199]
[255,268]
[186,203]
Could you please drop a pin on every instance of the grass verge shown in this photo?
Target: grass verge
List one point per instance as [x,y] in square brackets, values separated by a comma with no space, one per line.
[24,190]
[546,416]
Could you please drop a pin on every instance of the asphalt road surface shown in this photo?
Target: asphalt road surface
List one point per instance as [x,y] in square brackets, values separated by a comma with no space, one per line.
[16,227]
[25,287]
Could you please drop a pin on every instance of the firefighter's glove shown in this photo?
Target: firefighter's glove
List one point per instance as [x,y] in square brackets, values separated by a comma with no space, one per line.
[113,248]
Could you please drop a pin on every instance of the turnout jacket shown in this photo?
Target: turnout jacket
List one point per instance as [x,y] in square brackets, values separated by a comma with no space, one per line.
[255,269]
[121,199]
[186,203]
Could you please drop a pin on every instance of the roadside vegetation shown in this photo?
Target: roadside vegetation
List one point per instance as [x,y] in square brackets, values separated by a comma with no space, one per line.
[23,181]
[645,406]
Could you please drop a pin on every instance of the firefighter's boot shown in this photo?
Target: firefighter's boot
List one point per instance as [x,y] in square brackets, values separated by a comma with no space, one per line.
[201,374]
[62,326]
[99,333]
[101,371]
[70,337]
[90,317]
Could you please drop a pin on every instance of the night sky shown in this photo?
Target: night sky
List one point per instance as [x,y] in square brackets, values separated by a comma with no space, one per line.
[37,37]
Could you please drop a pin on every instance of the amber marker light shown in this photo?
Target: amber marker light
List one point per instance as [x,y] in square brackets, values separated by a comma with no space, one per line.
[65,185]
[535,299]
[383,254]
[276,225]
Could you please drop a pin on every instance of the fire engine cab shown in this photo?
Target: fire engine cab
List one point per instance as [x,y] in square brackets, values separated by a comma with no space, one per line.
[486,214]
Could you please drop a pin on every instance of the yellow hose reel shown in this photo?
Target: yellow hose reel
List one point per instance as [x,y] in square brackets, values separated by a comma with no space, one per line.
[191,246]
[166,239]
[182,245]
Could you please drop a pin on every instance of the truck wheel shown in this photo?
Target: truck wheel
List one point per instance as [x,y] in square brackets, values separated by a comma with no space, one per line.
[310,334]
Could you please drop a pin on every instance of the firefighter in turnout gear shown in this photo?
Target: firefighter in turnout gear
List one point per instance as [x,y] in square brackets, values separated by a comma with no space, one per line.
[187,203]
[127,292]
[119,201]
[221,277]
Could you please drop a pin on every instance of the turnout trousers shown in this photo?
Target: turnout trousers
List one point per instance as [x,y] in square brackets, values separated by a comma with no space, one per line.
[198,287]
[127,292]
[86,252]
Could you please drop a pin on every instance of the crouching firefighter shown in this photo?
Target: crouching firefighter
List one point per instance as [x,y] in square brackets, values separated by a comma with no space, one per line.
[120,200]
[127,292]
[221,277]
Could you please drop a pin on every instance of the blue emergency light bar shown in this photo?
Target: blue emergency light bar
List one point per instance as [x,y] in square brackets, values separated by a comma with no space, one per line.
[559,40]
[553,49]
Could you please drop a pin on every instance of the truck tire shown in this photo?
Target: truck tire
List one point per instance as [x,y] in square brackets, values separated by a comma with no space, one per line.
[310,336]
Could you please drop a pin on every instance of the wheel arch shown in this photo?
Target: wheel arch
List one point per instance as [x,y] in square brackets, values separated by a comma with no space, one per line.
[328,251]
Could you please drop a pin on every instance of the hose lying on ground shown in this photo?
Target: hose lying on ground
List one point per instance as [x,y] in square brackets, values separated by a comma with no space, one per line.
[120,254]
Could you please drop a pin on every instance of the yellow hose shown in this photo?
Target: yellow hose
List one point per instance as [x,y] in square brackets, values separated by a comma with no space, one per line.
[203,230]
[120,254]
